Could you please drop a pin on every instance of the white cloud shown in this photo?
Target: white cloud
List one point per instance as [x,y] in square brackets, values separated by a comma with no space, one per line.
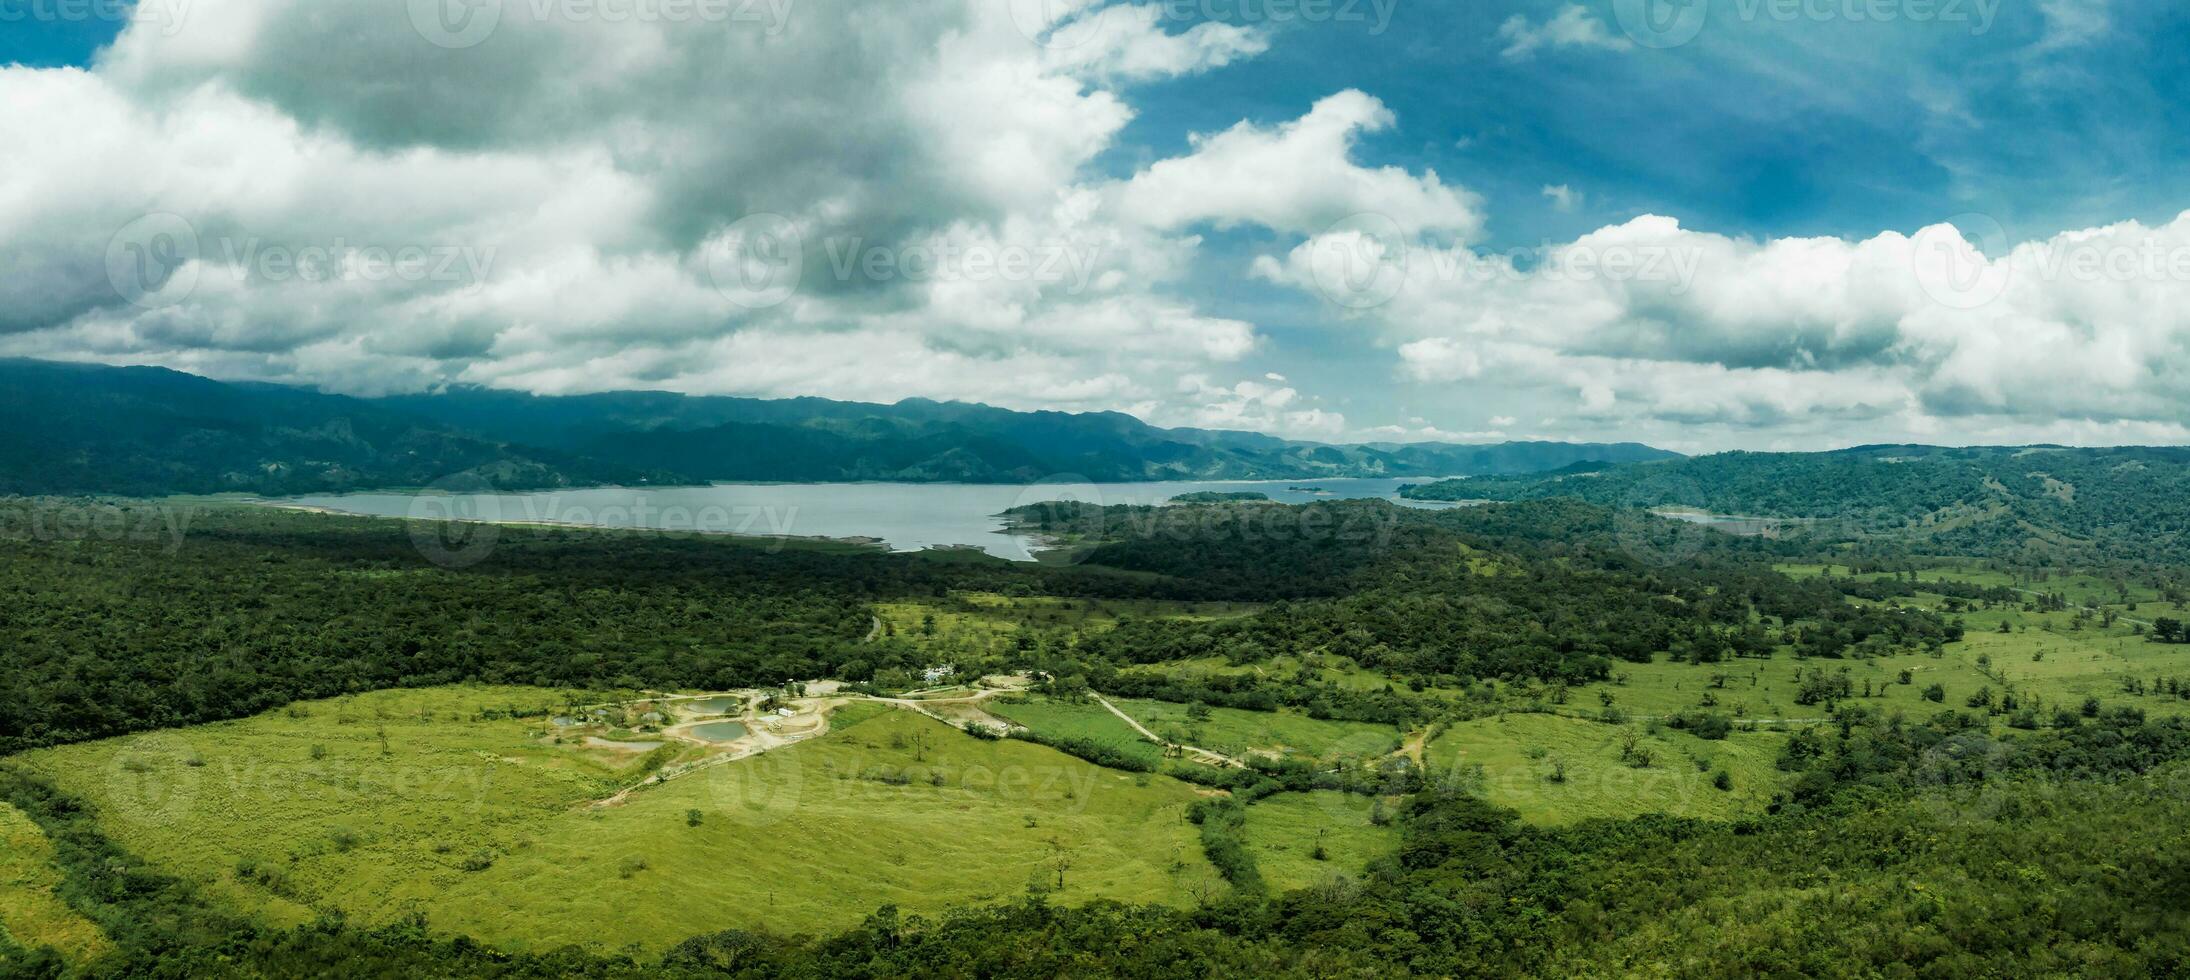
[592,175]
[1563,198]
[1297,177]
[1819,338]
[1572,27]
[1272,408]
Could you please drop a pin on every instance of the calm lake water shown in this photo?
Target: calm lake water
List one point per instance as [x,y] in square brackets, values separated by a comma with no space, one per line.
[904,516]
[719,731]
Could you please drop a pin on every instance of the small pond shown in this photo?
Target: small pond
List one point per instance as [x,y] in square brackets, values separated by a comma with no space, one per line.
[719,731]
[713,706]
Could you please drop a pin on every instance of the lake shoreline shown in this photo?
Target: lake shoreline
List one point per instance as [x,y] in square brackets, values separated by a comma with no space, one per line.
[896,517]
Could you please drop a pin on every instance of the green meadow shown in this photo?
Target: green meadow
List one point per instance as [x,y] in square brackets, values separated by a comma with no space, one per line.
[985,622]
[1767,690]
[2055,658]
[1560,770]
[428,801]
[1281,734]
[1086,720]
[32,913]
[1284,832]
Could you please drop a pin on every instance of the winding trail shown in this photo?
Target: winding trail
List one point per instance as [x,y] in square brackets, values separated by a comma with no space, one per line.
[760,738]
[1217,759]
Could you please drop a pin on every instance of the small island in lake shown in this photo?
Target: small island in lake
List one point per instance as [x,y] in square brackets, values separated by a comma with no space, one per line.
[1220,497]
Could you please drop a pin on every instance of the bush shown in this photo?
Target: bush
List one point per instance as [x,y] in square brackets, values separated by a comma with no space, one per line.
[1704,725]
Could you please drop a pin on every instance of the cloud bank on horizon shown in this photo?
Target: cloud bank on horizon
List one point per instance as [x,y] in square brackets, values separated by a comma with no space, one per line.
[1012,202]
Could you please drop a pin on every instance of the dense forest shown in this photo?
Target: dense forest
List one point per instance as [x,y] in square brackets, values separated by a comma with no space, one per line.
[255,608]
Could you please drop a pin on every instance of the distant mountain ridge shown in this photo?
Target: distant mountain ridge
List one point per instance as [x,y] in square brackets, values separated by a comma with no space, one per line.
[2119,503]
[149,431]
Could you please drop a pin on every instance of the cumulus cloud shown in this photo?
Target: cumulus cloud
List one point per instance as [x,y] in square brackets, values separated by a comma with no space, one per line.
[1297,177]
[835,199]
[1647,322]
[1572,27]
[1274,408]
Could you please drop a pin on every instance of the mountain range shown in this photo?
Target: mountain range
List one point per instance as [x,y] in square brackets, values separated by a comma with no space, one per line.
[150,431]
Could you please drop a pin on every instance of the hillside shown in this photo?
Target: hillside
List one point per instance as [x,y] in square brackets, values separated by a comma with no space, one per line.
[2120,504]
[151,431]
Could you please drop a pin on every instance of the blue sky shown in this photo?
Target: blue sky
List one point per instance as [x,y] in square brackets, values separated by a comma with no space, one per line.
[1792,150]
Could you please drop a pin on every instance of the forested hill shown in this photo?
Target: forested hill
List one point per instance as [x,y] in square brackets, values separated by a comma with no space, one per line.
[2107,504]
[149,431]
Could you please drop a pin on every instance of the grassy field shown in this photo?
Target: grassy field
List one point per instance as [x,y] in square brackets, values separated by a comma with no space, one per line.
[1283,832]
[1340,671]
[1287,733]
[1767,689]
[483,824]
[1521,755]
[1076,719]
[984,623]
[31,914]
[2056,658]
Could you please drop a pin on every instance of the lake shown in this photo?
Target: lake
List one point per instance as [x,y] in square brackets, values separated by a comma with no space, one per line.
[901,516]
